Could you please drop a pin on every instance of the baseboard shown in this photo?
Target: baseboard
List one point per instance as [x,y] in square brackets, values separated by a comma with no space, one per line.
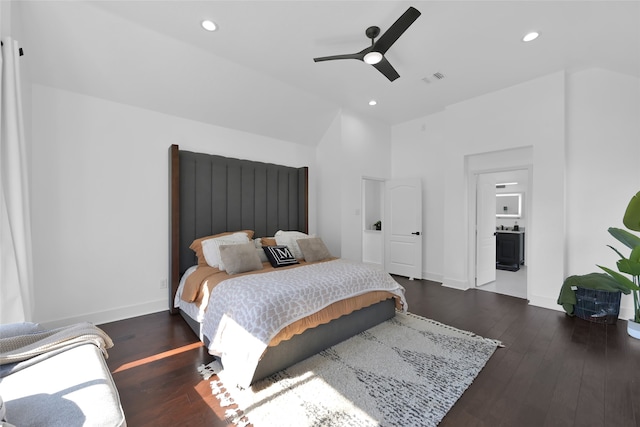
[431,276]
[545,302]
[112,315]
[626,313]
[463,285]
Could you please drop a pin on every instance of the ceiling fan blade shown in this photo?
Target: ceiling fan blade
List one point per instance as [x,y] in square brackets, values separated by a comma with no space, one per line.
[387,69]
[358,55]
[396,30]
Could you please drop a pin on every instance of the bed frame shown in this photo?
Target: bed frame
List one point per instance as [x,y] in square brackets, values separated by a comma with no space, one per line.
[211,194]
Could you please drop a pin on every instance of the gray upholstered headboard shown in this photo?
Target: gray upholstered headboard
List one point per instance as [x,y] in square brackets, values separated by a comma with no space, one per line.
[211,194]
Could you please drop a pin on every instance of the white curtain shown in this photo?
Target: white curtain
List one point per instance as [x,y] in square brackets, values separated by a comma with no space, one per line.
[16,272]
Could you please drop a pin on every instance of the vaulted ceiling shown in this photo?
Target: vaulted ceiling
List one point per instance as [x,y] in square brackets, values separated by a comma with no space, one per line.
[256,73]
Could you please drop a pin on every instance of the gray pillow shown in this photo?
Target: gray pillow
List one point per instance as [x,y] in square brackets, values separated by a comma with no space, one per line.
[240,258]
[313,249]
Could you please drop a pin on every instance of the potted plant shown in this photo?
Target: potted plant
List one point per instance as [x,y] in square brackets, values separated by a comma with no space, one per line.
[631,265]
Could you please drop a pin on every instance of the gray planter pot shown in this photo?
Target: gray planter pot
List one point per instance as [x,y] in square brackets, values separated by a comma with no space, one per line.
[633,329]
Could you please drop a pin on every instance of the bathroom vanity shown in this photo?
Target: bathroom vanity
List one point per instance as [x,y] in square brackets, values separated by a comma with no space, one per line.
[509,250]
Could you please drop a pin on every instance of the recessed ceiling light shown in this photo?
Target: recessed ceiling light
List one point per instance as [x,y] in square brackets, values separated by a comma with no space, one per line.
[530,36]
[209,25]
[373,102]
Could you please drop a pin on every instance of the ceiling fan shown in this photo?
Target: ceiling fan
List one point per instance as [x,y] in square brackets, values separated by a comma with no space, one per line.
[374,54]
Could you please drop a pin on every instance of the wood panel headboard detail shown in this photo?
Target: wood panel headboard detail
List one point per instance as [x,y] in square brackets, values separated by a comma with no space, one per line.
[211,194]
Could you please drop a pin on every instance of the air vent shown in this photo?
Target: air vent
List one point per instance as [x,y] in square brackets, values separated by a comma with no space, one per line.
[433,77]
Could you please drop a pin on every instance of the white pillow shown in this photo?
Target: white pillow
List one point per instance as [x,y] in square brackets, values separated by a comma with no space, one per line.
[211,247]
[262,255]
[289,238]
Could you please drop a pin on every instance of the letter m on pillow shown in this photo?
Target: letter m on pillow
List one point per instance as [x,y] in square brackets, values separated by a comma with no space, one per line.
[279,256]
[284,253]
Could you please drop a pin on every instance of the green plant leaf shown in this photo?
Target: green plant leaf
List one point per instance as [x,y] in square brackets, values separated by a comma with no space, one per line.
[635,254]
[624,237]
[628,266]
[617,251]
[623,280]
[631,218]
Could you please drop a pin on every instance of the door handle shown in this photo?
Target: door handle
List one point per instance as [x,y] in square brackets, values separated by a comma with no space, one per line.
[417,233]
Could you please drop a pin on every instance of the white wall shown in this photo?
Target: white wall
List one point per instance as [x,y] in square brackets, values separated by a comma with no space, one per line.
[5,19]
[100,201]
[435,148]
[603,158]
[351,149]
[529,114]
[576,125]
[329,162]
[365,153]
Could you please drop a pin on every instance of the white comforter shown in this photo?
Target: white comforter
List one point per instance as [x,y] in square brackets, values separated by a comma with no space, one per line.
[245,313]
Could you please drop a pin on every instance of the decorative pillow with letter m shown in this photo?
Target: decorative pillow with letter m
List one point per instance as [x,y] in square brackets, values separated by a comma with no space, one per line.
[279,255]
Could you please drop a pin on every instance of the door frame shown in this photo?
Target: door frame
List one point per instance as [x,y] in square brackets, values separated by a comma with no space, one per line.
[471,208]
[382,181]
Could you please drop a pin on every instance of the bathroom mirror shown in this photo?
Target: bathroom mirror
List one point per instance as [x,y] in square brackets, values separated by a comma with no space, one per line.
[509,205]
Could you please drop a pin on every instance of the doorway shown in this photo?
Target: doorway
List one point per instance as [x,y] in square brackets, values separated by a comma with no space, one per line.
[372,216]
[506,210]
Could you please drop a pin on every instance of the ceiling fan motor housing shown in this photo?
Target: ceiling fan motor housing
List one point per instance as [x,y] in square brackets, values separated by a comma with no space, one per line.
[372,32]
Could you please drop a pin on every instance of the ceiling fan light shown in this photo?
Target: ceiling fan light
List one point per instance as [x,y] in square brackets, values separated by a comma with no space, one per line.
[373,57]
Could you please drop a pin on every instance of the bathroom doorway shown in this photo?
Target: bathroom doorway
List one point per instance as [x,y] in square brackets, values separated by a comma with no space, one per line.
[508,209]
[510,166]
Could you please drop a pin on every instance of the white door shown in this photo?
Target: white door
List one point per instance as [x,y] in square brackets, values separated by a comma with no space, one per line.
[485,229]
[402,227]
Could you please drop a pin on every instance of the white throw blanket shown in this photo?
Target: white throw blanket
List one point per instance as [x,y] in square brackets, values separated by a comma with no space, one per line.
[246,312]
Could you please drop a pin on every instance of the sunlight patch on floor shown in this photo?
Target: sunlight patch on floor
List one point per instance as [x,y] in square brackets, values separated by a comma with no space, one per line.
[158,356]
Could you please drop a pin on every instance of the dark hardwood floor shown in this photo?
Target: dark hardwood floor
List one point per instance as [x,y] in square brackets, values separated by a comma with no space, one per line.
[553,371]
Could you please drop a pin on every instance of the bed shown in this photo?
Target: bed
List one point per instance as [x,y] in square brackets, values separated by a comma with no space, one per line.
[214,196]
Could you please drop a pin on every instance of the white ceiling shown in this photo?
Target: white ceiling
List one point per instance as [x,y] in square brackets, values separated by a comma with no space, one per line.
[256,72]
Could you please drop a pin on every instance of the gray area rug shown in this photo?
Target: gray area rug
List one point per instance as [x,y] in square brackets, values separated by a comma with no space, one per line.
[407,371]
